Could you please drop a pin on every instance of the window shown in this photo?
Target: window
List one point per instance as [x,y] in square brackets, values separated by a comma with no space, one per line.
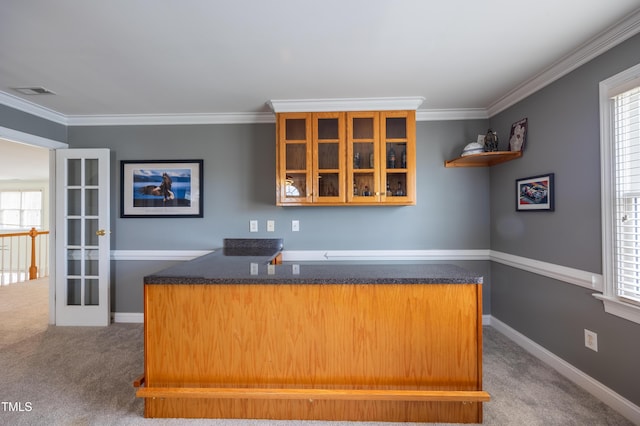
[20,210]
[620,168]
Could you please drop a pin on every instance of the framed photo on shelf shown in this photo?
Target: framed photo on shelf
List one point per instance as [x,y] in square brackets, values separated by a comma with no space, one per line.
[160,188]
[518,136]
[535,193]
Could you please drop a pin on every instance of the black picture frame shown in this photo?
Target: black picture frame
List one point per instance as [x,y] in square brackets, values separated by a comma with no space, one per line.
[161,188]
[536,193]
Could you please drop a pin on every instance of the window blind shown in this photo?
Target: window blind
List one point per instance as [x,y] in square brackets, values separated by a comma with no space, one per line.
[627,188]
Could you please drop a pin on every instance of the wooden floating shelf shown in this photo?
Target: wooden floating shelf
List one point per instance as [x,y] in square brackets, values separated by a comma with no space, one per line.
[484,159]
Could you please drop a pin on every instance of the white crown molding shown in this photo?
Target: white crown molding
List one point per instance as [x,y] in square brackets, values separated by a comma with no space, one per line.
[31,108]
[169,119]
[345,104]
[451,114]
[611,37]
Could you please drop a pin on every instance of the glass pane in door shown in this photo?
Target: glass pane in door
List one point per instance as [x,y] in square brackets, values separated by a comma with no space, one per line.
[91,202]
[328,128]
[363,184]
[329,185]
[396,128]
[74,291]
[91,294]
[74,172]
[397,184]
[295,129]
[328,156]
[296,185]
[363,155]
[296,156]
[362,128]
[396,155]
[91,171]
[74,262]
[74,232]
[74,202]
[91,229]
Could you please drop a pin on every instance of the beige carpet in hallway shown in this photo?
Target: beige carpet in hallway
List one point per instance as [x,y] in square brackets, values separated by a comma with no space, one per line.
[24,310]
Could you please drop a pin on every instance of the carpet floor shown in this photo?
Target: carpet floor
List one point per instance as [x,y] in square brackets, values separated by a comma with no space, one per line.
[83,376]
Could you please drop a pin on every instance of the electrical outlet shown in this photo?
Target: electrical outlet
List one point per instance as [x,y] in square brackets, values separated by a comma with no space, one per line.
[295,225]
[591,340]
[271,225]
[253,226]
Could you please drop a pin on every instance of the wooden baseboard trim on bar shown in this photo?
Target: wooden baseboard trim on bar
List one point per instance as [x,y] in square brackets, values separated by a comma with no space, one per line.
[334,394]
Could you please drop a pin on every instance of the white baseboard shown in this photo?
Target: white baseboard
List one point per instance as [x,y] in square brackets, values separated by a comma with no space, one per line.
[597,389]
[130,317]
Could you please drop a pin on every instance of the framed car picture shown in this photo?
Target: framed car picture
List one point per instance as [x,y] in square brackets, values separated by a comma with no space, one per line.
[161,188]
[535,193]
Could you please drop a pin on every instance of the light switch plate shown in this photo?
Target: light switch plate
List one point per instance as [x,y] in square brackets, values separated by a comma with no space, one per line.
[271,225]
[295,225]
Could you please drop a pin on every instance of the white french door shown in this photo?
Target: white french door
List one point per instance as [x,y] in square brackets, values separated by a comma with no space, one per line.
[82,237]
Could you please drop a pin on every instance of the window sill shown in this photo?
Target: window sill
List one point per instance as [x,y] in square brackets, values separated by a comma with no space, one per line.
[621,309]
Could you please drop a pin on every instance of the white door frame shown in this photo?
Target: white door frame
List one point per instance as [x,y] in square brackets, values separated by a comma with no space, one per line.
[33,140]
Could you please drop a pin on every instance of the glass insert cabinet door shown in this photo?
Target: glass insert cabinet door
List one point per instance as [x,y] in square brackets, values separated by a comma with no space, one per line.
[398,156]
[294,183]
[363,149]
[82,237]
[328,157]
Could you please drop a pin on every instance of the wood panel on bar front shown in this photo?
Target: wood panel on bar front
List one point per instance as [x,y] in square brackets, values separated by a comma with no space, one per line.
[367,352]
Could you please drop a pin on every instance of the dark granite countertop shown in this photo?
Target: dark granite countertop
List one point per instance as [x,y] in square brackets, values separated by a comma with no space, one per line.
[251,265]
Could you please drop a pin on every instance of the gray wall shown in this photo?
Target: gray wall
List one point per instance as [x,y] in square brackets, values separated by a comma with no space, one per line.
[239,185]
[21,121]
[564,138]
[452,211]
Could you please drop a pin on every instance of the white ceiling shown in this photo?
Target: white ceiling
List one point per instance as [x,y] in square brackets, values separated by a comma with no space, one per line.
[19,162]
[206,57]
[128,58]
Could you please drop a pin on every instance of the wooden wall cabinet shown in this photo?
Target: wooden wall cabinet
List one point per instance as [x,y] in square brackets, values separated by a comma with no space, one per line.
[346,158]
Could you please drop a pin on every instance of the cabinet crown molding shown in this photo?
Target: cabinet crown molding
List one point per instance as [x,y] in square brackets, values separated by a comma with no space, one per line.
[345,104]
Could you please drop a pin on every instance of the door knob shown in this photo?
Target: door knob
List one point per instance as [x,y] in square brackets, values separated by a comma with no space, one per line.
[101,233]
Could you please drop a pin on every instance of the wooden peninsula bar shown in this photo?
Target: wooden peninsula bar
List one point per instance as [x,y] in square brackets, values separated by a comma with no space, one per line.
[231,335]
